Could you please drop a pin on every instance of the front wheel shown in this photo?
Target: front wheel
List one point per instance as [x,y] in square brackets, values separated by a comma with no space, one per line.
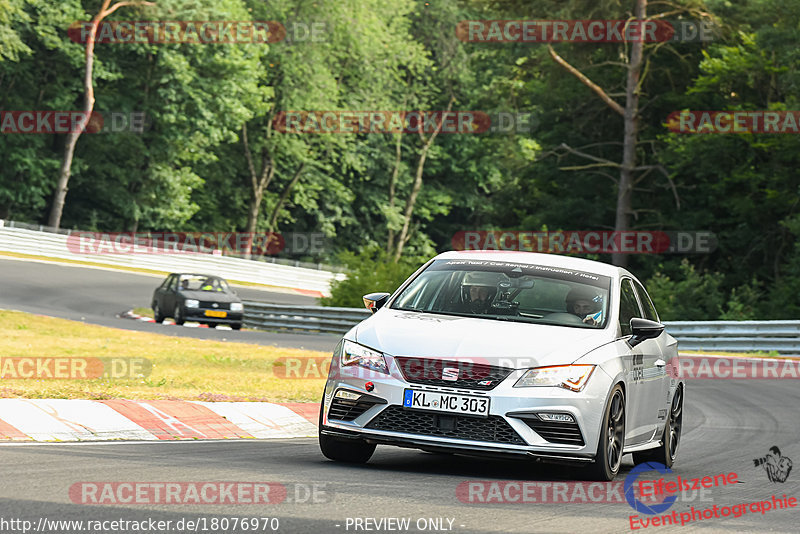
[668,450]
[157,315]
[236,326]
[353,451]
[178,315]
[608,459]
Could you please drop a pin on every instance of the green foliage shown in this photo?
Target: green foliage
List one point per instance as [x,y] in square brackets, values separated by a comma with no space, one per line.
[369,271]
[696,296]
[187,171]
[691,297]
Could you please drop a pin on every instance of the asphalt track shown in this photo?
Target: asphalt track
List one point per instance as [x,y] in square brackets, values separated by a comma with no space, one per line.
[728,423]
[97,296]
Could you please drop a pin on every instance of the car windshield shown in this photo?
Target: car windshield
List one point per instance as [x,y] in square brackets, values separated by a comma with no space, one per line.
[199,282]
[510,292]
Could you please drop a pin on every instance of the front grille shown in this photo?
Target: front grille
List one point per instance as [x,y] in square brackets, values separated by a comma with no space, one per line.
[493,428]
[566,433]
[348,410]
[210,304]
[470,375]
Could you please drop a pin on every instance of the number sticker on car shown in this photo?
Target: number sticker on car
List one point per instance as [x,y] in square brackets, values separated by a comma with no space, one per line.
[446,402]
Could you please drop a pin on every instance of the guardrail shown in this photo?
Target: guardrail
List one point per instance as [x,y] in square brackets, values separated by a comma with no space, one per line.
[737,336]
[303,318]
[733,336]
[53,244]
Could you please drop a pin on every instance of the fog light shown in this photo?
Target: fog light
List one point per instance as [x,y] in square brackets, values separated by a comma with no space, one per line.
[557,417]
[349,395]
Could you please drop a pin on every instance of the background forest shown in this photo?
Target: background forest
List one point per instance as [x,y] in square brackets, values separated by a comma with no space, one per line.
[211,159]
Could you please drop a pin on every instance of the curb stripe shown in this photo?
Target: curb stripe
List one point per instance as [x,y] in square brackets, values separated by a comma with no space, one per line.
[119,419]
[9,432]
[168,419]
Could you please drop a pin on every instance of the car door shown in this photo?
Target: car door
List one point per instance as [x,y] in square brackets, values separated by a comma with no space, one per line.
[169,295]
[633,361]
[158,295]
[644,376]
[656,377]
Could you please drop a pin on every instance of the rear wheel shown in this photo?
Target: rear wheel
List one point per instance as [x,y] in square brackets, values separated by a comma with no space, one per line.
[354,451]
[668,450]
[178,315]
[608,459]
[157,315]
[236,326]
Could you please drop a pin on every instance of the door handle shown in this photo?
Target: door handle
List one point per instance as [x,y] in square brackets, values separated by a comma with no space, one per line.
[660,363]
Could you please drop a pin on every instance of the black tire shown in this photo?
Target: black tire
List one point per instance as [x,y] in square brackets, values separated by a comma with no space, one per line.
[157,315]
[611,442]
[668,450]
[212,325]
[236,326]
[178,316]
[353,451]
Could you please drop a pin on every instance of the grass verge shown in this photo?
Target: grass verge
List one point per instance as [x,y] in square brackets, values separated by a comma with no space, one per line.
[182,368]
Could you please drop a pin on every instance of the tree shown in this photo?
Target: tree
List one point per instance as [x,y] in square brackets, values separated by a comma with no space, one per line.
[60,196]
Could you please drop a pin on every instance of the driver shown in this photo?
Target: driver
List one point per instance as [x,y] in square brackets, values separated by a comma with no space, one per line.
[583,302]
[478,290]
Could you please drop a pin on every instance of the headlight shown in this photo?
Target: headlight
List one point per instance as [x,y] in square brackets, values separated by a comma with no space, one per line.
[237,306]
[572,377]
[192,303]
[355,354]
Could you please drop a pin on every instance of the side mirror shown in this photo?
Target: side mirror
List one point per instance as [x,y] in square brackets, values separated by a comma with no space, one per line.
[644,329]
[375,301]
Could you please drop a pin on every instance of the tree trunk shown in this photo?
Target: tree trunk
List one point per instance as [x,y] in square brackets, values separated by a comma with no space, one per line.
[258,184]
[631,118]
[412,198]
[88,106]
[72,137]
[392,186]
[284,195]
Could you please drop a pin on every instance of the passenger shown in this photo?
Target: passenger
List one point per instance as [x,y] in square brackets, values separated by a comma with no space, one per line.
[583,302]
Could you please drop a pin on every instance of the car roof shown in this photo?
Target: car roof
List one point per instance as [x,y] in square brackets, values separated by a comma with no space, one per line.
[535,258]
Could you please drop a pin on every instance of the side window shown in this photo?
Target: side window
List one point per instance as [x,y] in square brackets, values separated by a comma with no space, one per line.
[647,304]
[167,282]
[628,307]
[173,285]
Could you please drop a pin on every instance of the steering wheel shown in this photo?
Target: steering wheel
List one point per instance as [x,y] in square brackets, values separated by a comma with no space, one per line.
[563,317]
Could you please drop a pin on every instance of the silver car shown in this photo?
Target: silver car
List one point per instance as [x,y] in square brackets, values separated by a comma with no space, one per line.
[538,356]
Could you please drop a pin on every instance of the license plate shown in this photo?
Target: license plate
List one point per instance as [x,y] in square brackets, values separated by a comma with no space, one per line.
[445,402]
[216,313]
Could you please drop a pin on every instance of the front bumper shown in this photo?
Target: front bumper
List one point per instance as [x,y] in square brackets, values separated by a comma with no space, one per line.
[199,315]
[508,430]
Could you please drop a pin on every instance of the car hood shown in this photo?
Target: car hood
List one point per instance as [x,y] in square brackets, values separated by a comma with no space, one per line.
[496,342]
[210,296]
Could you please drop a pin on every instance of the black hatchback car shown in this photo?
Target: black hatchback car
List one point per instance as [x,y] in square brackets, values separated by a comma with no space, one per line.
[203,298]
